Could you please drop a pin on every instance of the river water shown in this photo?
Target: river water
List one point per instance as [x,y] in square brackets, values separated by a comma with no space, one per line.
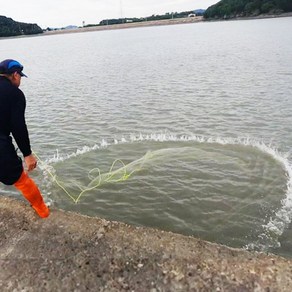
[185,128]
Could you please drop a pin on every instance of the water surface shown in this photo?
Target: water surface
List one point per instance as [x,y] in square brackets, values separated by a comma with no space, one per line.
[199,115]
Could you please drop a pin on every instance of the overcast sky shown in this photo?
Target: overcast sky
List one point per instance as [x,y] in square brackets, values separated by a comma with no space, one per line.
[60,13]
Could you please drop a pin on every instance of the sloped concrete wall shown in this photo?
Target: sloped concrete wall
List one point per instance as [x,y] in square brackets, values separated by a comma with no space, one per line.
[71,252]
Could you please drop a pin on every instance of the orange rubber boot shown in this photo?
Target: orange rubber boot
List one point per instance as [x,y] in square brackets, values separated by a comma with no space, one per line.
[31,192]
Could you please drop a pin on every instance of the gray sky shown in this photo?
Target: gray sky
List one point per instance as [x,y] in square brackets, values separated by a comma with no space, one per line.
[60,13]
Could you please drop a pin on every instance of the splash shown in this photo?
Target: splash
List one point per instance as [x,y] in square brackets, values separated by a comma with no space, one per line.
[276,224]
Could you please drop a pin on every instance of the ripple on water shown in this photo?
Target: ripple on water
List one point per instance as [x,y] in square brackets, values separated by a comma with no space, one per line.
[220,191]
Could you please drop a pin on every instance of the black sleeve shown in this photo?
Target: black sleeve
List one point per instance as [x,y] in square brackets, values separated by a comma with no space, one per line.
[18,125]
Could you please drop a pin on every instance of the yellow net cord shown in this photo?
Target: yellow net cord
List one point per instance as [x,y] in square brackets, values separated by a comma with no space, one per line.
[109,177]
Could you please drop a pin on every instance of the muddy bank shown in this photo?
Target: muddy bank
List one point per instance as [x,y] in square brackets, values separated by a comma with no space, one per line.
[70,252]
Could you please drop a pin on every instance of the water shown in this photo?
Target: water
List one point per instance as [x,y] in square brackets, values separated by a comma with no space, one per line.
[199,114]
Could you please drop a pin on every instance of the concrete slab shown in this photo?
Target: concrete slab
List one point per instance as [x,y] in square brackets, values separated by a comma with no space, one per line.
[71,252]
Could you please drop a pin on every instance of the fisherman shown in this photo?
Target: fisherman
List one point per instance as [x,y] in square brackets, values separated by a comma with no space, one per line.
[12,122]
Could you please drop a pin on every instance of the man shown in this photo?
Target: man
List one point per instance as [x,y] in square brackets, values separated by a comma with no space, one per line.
[12,121]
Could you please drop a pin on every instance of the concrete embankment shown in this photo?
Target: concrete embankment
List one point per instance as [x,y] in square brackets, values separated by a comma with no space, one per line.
[71,252]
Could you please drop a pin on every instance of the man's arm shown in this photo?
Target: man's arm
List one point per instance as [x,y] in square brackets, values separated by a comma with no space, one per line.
[18,124]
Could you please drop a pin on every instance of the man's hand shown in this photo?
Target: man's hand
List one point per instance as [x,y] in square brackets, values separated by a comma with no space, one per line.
[31,162]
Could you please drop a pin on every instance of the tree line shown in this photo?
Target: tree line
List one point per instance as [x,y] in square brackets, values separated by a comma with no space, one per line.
[168,15]
[9,27]
[240,8]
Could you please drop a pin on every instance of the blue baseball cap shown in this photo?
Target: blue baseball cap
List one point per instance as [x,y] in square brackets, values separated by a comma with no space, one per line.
[10,66]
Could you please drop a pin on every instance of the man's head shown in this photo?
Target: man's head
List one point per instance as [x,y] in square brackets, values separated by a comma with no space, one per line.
[12,70]
[10,66]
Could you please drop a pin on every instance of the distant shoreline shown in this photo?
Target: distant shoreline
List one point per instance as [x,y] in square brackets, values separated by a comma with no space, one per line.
[175,21]
[186,20]
[128,25]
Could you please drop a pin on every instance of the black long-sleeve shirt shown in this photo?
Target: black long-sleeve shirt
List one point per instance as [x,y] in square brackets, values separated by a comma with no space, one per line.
[12,119]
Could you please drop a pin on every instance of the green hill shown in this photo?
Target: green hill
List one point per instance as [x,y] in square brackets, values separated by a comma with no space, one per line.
[226,9]
[9,27]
